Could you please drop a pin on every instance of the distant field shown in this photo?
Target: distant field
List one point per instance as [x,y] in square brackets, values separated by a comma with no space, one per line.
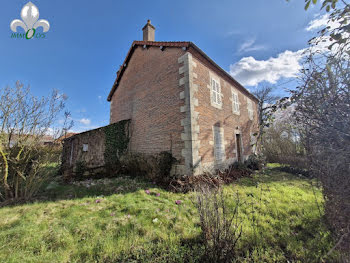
[119,222]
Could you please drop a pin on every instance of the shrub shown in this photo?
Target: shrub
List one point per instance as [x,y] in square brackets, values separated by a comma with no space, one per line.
[283,143]
[294,170]
[80,169]
[219,224]
[322,111]
[255,162]
[32,169]
[112,168]
[25,121]
[153,167]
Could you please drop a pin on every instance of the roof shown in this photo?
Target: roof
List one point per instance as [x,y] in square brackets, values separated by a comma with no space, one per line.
[180,44]
[74,135]
[148,24]
[66,136]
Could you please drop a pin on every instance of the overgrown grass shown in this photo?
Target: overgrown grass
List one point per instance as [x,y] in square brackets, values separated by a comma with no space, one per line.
[119,222]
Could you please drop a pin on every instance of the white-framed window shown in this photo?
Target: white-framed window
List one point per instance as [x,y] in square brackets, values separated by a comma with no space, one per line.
[250,109]
[85,147]
[215,95]
[219,147]
[235,102]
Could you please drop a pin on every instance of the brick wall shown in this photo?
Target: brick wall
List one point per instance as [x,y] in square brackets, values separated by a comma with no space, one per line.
[224,117]
[148,94]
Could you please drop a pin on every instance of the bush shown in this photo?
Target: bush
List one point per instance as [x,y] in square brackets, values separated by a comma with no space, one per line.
[219,224]
[26,175]
[255,162]
[294,170]
[25,121]
[80,168]
[112,168]
[153,167]
[283,143]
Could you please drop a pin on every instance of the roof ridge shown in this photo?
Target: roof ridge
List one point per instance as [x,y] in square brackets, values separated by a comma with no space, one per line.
[162,41]
[186,44]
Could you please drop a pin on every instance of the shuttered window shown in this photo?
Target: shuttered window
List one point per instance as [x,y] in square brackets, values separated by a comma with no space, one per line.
[216,92]
[235,102]
[219,149]
[85,147]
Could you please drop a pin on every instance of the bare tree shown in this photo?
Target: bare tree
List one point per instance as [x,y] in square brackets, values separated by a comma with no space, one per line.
[24,121]
[323,111]
[266,107]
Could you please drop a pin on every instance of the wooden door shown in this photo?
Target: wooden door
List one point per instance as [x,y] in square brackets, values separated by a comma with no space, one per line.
[239,147]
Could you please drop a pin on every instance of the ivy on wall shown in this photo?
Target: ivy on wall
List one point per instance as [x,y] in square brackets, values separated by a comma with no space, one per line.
[116,141]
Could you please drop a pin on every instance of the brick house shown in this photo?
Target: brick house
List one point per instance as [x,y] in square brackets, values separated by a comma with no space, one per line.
[180,100]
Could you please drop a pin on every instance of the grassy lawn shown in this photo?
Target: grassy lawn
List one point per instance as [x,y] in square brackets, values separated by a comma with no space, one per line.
[119,222]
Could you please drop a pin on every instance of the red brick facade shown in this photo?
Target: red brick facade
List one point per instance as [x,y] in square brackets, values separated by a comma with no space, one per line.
[148,94]
[210,116]
[166,92]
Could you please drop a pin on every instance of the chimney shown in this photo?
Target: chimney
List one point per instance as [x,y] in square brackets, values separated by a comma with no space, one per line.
[148,31]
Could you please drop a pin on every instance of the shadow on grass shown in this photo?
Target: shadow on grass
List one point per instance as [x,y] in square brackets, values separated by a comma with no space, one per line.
[268,176]
[57,189]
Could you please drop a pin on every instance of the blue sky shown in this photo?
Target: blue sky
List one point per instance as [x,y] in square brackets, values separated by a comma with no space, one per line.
[258,42]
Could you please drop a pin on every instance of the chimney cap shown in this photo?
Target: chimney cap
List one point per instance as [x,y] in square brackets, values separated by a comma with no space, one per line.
[148,24]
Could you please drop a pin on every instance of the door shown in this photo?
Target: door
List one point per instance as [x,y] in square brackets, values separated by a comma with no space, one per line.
[239,147]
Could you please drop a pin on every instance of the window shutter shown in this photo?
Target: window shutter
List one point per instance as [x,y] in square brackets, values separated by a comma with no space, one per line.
[213,90]
[218,144]
[218,92]
[235,102]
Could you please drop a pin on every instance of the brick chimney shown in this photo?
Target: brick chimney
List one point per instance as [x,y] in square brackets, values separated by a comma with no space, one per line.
[148,31]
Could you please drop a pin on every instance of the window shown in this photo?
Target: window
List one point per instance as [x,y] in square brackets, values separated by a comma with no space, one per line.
[85,147]
[250,109]
[219,149]
[215,93]
[235,102]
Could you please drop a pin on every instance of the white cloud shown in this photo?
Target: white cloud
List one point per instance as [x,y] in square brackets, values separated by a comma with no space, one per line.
[249,71]
[320,22]
[85,121]
[248,46]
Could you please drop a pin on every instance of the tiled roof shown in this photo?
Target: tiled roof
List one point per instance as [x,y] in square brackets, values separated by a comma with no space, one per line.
[180,44]
[66,136]
[163,43]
